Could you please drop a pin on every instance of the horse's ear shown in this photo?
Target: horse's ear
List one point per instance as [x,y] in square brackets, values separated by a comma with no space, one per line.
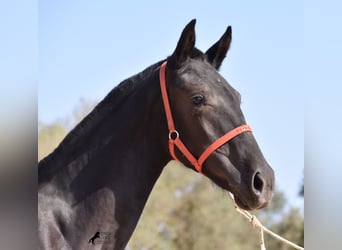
[185,44]
[218,51]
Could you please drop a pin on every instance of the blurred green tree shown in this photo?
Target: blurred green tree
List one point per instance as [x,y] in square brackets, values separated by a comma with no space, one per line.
[291,227]
[49,136]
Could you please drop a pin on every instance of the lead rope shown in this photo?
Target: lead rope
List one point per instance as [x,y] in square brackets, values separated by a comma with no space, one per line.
[257,224]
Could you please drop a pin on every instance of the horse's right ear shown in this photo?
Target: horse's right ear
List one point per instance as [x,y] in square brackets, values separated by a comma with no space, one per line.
[185,44]
[218,51]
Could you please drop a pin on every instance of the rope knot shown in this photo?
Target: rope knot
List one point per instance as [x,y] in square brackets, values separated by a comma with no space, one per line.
[256,223]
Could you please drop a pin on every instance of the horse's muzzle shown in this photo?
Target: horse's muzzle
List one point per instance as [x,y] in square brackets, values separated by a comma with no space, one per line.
[260,191]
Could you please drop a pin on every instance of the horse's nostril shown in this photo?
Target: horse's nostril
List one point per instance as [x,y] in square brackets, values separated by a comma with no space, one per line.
[258,184]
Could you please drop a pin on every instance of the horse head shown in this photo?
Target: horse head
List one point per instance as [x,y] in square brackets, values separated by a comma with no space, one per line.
[205,107]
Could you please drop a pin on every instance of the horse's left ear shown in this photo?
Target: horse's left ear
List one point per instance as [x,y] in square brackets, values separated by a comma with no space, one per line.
[218,51]
[185,44]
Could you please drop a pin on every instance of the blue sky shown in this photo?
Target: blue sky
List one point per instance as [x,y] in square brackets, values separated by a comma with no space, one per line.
[86,48]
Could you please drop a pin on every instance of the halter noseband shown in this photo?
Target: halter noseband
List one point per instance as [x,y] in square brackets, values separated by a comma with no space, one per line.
[174,138]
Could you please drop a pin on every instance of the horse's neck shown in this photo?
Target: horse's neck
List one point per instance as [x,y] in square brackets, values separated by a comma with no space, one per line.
[110,179]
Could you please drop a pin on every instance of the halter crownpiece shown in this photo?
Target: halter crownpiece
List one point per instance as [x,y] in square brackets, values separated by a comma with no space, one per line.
[174,137]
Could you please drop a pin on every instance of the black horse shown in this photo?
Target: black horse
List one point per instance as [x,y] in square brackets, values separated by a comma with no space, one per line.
[100,176]
[92,239]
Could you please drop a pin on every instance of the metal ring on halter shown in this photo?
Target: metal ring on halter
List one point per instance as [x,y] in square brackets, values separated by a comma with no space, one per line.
[173,135]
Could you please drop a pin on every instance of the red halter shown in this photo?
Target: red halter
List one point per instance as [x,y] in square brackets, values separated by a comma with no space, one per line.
[174,135]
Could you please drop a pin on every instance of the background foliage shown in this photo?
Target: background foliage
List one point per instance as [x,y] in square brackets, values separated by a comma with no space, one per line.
[186,211]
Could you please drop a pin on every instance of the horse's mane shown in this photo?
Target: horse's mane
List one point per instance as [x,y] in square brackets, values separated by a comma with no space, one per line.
[77,135]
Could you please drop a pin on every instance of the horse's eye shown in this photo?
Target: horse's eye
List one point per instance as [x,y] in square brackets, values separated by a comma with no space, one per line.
[198,99]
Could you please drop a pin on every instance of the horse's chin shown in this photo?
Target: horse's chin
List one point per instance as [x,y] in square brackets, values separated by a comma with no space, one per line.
[245,206]
[241,204]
